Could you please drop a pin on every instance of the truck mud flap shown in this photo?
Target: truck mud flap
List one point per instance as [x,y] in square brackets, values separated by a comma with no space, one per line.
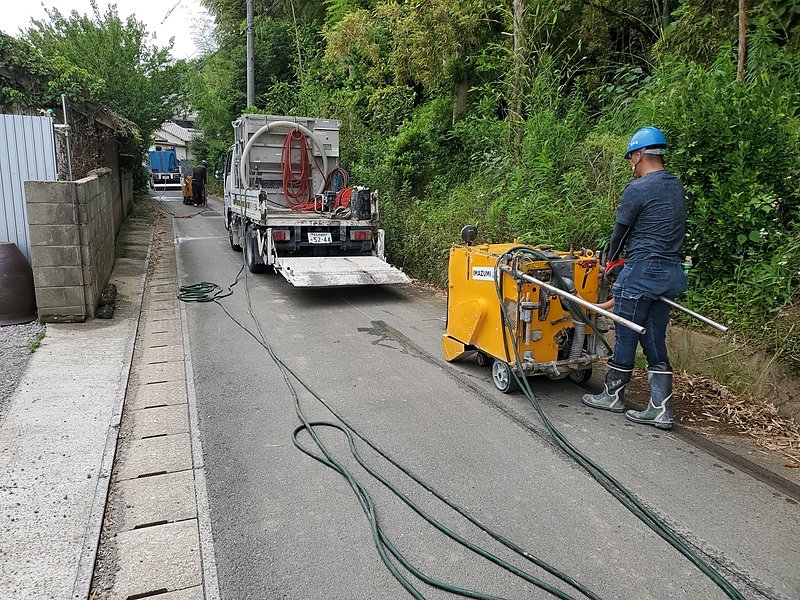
[336,271]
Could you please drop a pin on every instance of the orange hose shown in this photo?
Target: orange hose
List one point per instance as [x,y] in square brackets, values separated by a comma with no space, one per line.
[343,197]
[296,186]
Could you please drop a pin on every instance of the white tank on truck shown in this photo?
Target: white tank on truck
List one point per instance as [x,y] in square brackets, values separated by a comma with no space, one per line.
[290,206]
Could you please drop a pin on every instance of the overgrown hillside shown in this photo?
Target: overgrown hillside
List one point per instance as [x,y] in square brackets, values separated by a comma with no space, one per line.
[514,116]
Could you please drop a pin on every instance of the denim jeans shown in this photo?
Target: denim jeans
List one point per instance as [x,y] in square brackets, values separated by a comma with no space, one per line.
[635,293]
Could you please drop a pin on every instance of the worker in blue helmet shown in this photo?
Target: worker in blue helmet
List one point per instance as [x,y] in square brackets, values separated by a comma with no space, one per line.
[649,228]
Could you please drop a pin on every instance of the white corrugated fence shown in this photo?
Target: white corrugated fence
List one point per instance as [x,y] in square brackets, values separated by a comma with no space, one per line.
[27,153]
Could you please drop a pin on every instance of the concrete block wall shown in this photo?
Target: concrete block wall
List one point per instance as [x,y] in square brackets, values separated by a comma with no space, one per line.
[72,244]
[126,185]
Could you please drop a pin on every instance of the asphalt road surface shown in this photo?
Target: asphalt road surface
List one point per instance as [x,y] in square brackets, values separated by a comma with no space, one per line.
[286,526]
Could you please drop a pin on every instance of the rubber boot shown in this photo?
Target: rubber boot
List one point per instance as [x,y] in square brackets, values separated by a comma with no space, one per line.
[613,395]
[659,409]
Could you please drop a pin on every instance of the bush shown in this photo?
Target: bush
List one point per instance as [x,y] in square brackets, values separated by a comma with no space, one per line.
[561,189]
[736,149]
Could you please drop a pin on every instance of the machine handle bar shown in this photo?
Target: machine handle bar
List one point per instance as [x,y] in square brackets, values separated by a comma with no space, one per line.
[691,313]
[578,300]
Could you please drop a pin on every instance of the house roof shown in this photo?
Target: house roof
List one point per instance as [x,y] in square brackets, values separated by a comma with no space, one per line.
[177,131]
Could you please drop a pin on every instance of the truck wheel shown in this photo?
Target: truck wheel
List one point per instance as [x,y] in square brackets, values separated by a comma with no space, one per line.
[251,252]
[503,378]
[234,240]
[581,376]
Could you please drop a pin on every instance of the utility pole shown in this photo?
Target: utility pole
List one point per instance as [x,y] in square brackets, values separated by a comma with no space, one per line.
[251,72]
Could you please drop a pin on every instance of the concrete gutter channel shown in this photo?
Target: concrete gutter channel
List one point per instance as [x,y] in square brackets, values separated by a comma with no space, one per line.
[149,528]
[156,536]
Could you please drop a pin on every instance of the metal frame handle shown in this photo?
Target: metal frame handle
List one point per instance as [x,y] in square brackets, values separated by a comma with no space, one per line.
[691,313]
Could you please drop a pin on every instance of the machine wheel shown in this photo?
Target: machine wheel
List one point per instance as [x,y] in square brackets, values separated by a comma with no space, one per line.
[503,377]
[558,377]
[251,251]
[580,376]
[234,242]
[483,359]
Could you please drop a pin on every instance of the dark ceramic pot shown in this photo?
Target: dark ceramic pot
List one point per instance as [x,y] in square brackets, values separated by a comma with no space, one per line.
[17,296]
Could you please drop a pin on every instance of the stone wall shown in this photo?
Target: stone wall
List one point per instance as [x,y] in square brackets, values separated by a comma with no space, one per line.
[72,244]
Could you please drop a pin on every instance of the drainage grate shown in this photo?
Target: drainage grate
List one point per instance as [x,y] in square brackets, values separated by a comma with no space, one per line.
[211,213]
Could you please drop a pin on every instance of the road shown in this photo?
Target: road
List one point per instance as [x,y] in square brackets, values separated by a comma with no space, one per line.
[286,526]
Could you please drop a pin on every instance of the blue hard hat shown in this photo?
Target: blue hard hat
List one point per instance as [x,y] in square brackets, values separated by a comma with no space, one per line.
[646,137]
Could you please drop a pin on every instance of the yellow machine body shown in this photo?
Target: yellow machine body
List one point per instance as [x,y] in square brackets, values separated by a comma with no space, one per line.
[186,188]
[551,339]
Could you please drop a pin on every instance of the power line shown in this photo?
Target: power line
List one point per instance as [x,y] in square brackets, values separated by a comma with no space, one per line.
[169,12]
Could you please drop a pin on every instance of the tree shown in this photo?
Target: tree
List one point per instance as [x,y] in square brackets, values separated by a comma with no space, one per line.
[518,89]
[742,40]
[140,81]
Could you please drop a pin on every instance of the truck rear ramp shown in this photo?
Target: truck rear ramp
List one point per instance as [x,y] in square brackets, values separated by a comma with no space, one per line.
[336,271]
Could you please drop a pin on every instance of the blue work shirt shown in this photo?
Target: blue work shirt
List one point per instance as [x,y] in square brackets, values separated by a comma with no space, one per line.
[654,206]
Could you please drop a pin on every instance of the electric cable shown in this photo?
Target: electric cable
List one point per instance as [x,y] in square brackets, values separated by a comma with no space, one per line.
[210,292]
[609,483]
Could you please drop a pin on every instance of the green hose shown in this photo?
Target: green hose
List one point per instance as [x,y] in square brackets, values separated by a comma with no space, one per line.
[206,291]
[381,541]
[210,292]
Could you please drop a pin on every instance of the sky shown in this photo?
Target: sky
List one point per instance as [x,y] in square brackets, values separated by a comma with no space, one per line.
[155,14]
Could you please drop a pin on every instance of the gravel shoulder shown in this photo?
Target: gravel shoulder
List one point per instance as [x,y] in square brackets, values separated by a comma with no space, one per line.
[14,356]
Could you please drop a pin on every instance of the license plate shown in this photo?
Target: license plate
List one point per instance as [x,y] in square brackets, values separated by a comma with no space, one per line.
[319,238]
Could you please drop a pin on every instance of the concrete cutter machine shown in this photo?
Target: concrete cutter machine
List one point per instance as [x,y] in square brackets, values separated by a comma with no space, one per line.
[527,310]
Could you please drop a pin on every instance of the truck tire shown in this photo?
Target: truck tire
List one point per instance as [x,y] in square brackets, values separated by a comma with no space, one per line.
[254,262]
[234,241]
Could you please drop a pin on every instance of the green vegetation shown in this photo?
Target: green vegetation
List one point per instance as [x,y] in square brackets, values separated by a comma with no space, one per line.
[36,341]
[99,58]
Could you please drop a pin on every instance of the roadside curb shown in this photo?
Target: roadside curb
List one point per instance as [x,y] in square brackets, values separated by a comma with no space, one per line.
[83,579]
[751,468]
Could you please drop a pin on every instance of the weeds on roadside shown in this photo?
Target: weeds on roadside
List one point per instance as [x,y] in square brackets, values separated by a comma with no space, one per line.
[36,341]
